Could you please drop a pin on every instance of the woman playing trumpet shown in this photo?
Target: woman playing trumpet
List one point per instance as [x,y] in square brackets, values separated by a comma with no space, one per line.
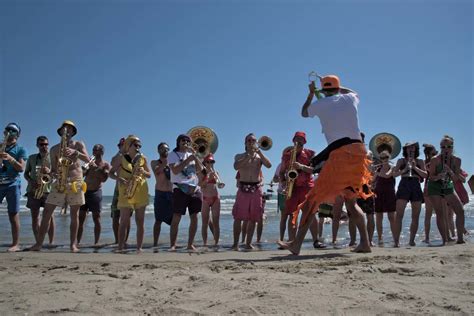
[210,182]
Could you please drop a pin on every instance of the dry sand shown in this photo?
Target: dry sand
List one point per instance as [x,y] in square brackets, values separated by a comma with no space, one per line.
[420,280]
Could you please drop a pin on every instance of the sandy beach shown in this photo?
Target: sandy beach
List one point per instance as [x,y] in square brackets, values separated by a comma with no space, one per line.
[419,280]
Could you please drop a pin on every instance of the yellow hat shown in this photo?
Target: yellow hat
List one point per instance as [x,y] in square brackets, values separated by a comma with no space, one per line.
[70,123]
[128,142]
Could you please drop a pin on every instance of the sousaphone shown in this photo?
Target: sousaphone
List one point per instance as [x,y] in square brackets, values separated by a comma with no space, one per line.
[204,140]
[385,142]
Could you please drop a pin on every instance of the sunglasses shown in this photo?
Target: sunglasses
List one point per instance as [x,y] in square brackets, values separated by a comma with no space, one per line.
[43,144]
[137,145]
[12,132]
[447,147]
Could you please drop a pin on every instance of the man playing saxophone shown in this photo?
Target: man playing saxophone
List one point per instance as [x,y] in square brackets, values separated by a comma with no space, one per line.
[12,163]
[38,175]
[68,185]
[296,175]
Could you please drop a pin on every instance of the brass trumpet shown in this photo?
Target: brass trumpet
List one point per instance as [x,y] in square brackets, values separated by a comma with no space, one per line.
[265,143]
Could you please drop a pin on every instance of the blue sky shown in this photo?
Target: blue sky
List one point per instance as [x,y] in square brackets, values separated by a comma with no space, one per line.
[158,68]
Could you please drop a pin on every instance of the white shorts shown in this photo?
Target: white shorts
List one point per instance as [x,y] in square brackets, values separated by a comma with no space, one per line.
[59,199]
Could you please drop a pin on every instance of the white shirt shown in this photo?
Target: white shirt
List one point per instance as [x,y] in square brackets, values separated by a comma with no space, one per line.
[338,116]
[188,175]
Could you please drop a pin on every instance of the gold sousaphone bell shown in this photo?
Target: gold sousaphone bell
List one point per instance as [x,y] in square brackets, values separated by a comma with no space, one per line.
[385,142]
[204,140]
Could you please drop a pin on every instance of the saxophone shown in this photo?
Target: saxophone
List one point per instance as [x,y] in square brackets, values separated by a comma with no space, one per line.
[64,163]
[291,174]
[42,179]
[136,178]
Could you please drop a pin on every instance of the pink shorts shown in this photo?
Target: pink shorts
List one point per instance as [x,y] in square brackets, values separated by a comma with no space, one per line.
[248,205]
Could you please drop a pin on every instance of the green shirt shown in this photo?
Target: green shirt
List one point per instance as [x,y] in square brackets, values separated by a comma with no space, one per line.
[33,163]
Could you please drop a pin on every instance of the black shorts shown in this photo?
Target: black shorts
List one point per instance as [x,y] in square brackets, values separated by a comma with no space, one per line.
[93,201]
[367,205]
[163,206]
[36,204]
[182,201]
[409,189]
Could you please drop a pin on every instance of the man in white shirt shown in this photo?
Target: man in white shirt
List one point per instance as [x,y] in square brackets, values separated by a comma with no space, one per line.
[345,168]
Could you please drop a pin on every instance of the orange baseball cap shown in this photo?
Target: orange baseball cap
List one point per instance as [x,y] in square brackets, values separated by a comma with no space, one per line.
[330,82]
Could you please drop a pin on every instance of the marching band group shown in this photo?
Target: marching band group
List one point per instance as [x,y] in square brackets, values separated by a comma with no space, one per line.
[186,180]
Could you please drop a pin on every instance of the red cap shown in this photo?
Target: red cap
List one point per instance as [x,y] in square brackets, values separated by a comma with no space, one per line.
[209,157]
[300,134]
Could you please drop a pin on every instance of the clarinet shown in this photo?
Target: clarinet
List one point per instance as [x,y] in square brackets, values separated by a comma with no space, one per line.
[446,178]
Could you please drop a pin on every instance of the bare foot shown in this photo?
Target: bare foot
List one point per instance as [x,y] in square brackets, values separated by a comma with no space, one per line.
[372,244]
[139,251]
[172,249]
[288,246]
[74,248]
[450,239]
[380,242]
[235,248]
[191,247]
[396,245]
[249,247]
[362,249]
[35,248]
[14,248]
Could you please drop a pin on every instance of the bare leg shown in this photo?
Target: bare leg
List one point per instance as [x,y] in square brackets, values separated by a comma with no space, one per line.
[174,230]
[206,208]
[352,231]
[115,227]
[291,228]
[80,229]
[15,226]
[156,233]
[44,227]
[458,209]
[35,220]
[295,246]
[193,224]
[370,226]
[450,220]
[250,230]
[140,221]
[379,224]
[259,230]
[216,212]
[244,230]
[52,227]
[428,215]
[237,229]
[283,221]
[439,208]
[400,211]
[358,217]
[313,228]
[73,227]
[125,214]
[97,226]
[320,228]
[415,218]
[336,217]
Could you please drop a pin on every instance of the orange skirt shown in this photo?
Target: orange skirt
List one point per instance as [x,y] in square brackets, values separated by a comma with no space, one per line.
[346,167]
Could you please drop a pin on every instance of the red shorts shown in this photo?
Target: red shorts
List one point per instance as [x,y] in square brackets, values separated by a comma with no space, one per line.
[248,205]
[297,197]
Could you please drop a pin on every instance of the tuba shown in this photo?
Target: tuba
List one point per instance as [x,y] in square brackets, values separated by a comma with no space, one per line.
[136,178]
[64,163]
[265,143]
[42,179]
[385,142]
[204,140]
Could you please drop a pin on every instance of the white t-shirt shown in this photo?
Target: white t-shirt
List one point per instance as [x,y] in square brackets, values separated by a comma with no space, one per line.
[338,116]
[188,175]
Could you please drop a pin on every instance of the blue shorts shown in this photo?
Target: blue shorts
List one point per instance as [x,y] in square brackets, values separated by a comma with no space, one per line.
[163,209]
[12,193]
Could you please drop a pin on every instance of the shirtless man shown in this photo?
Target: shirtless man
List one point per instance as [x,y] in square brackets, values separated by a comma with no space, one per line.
[163,191]
[248,204]
[75,151]
[96,174]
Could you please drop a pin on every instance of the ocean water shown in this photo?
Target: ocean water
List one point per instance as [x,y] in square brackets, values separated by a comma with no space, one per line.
[269,236]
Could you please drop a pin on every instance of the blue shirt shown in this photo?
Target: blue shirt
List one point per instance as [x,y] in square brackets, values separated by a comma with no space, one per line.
[8,172]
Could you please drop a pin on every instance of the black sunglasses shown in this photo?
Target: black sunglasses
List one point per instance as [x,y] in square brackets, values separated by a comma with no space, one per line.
[137,145]
[447,146]
[43,144]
